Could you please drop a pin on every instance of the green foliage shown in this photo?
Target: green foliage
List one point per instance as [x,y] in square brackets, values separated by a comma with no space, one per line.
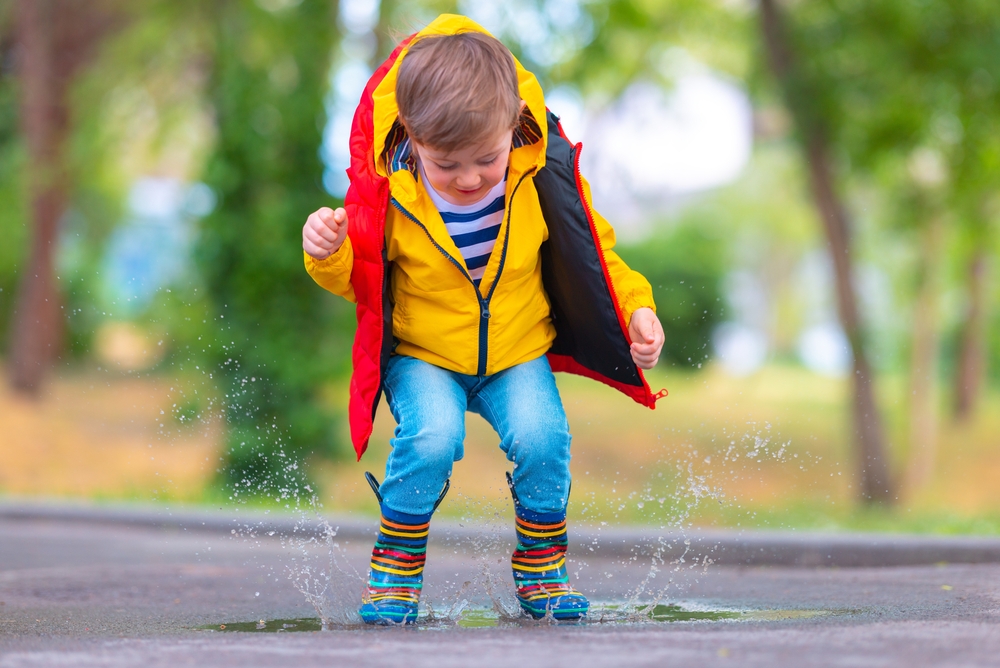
[80,282]
[13,202]
[905,92]
[279,337]
[636,39]
[993,345]
[685,268]
[888,76]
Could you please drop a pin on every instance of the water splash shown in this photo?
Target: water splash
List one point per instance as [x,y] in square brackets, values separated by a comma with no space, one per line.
[320,571]
[490,547]
[680,486]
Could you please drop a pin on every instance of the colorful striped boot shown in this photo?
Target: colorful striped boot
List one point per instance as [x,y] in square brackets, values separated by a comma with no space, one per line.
[539,563]
[397,569]
[396,575]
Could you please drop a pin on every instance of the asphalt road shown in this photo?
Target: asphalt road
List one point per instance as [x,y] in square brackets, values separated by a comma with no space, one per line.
[78,592]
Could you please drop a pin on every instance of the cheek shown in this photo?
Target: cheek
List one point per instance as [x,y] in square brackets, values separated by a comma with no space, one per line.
[494,173]
[438,178]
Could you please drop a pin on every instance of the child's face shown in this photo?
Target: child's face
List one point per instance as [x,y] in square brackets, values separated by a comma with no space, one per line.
[465,175]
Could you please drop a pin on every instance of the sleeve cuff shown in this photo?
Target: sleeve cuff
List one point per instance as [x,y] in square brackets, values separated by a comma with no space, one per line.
[338,262]
[634,301]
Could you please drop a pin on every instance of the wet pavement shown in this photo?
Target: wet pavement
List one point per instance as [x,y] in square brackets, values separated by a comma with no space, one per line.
[78,592]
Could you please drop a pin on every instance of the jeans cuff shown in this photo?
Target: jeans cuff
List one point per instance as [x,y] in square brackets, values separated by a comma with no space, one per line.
[534,516]
[404,518]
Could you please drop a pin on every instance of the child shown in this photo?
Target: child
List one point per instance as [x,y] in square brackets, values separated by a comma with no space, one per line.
[478,266]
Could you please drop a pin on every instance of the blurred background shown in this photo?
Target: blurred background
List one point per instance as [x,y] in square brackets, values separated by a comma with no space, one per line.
[811,187]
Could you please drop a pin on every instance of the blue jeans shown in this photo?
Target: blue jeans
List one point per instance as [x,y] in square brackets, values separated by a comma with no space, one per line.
[429,403]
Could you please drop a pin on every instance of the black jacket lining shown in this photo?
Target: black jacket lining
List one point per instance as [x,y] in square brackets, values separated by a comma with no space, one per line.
[583,304]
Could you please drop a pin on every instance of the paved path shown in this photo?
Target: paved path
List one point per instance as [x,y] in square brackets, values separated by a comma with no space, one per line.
[75,592]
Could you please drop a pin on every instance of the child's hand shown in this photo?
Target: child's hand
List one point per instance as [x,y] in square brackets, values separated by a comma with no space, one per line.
[647,338]
[324,232]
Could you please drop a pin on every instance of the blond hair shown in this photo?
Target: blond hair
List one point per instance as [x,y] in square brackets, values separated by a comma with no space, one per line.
[457,90]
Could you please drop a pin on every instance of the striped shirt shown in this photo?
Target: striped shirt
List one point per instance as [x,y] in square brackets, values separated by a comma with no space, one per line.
[474,227]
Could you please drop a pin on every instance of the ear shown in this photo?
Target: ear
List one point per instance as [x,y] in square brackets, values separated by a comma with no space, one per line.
[521,108]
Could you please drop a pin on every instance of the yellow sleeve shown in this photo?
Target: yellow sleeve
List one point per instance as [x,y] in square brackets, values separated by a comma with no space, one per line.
[631,287]
[334,272]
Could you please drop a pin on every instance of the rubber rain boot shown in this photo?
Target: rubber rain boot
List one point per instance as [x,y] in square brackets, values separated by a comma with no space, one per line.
[396,574]
[539,563]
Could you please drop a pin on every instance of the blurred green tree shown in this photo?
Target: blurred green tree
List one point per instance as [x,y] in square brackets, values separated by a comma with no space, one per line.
[901,92]
[12,213]
[874,91]
[975,178]
[631,40]
[55,40]
[808,100]
[279,338]
[685,268]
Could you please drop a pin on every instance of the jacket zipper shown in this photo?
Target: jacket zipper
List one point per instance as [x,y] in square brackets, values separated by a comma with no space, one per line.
[484,302]
[600,248]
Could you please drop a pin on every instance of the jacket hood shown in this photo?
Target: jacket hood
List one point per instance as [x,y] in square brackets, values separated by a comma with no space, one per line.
[530,137]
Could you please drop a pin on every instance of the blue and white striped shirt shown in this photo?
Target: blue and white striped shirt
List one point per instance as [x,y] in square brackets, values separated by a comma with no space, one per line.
[474,227]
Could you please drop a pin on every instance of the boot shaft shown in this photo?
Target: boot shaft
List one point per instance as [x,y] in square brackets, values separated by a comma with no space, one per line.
[541,578]
[400,548]
[541,547]
[396,573]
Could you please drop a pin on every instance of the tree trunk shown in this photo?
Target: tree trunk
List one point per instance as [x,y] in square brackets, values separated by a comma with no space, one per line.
[37,333]
[971,366]
[56,37]
[924,358]
[873,471]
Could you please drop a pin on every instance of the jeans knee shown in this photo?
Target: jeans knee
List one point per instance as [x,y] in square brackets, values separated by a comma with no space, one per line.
[547,440]
[438,441]
[420,462]
[440,454]
[443,426]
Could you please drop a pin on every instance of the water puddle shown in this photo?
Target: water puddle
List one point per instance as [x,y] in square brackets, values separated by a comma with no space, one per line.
[477,618]
[331,574]
[267,626]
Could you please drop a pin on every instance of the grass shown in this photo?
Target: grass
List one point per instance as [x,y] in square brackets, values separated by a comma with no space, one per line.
[771,450]
[103,436]
[768,451]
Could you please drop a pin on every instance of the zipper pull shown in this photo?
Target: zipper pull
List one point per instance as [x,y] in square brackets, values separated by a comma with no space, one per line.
[485,305]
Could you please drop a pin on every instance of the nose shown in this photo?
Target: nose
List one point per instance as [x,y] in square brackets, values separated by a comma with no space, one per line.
[468,179]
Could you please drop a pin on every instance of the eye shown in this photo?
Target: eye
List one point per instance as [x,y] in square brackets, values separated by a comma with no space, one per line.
[445,168]
[487,163]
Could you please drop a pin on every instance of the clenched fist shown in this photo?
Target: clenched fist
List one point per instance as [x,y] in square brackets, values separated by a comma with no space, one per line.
[647,338]
[324,232]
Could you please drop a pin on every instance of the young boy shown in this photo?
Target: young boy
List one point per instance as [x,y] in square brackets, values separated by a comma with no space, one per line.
[478,266]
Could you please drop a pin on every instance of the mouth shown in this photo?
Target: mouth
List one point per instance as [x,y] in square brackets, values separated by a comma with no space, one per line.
[468,192]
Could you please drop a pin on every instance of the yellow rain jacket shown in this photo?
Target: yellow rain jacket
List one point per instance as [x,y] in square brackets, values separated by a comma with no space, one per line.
[437,313]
